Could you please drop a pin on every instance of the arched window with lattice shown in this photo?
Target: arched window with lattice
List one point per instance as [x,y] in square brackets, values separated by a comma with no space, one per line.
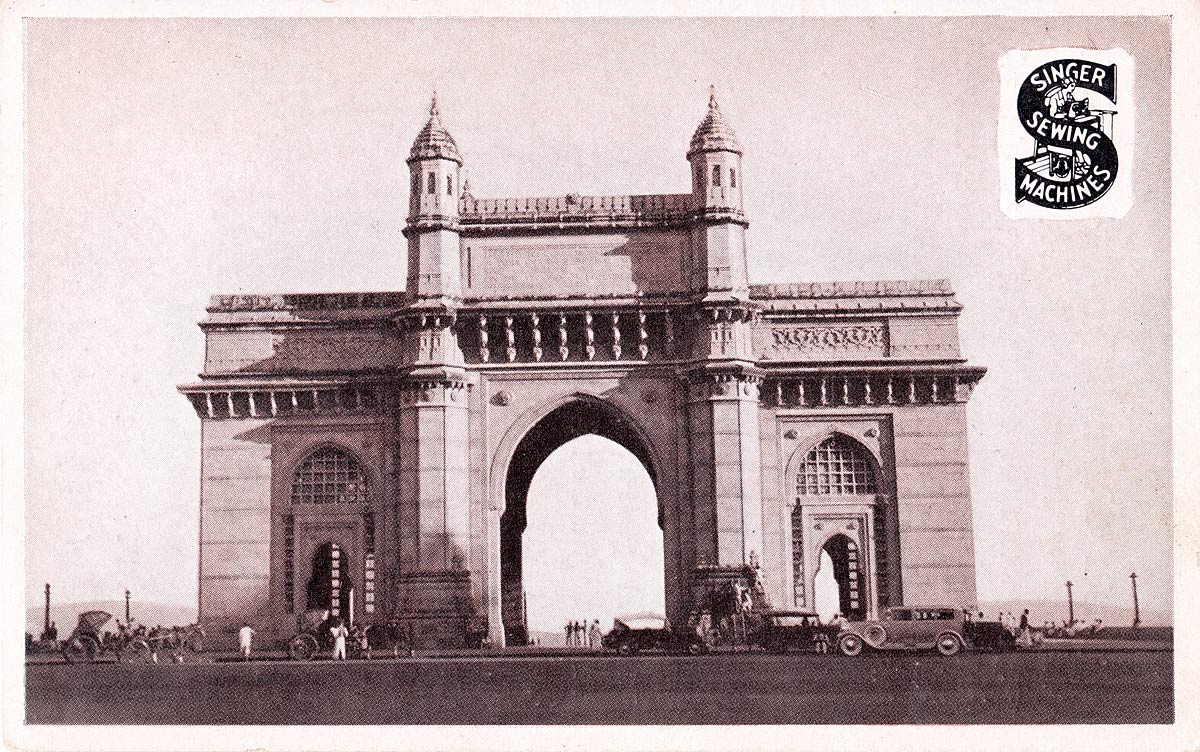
[837,465]
[329,476]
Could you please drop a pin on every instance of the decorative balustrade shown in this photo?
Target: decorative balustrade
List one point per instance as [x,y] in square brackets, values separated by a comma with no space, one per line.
[576,335]
[575,209]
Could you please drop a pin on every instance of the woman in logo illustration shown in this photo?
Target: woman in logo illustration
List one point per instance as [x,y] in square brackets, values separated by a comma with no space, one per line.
[1059,99]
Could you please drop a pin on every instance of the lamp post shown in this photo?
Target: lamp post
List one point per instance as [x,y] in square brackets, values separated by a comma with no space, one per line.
[46,624]
[1137,614]
[1070,605]
[126,607]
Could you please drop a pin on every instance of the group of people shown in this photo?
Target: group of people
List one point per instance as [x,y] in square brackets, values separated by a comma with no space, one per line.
[579,634]
[1021,629]
[1072,629]
[1018,628]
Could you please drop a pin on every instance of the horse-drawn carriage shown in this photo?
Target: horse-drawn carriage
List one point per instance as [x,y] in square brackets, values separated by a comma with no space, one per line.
[87,643]
[314,635]
[737,615]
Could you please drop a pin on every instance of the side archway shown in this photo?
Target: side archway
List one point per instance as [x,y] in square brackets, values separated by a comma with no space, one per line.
[836,485]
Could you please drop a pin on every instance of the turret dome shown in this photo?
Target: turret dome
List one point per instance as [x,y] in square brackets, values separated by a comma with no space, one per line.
[715,133]
[434,141]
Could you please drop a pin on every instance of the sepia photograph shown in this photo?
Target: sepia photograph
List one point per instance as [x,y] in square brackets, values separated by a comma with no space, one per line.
[594,372]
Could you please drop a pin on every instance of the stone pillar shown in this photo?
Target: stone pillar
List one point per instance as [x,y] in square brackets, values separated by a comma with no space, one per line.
[727,485]
[723,417]
[435,585]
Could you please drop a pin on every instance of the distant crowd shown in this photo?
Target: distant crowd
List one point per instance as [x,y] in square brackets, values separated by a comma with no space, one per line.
[1021,629]
[579,634]
[1074,629]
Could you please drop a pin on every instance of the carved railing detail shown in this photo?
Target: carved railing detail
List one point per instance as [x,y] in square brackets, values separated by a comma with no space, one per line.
[630,334]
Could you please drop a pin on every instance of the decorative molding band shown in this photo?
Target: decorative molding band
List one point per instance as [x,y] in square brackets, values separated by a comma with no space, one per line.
[848,389]
[225,402]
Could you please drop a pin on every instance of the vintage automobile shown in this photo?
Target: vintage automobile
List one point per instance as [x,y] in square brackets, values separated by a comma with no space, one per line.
[942,628]
[630,635]
[989,636]
[800,631]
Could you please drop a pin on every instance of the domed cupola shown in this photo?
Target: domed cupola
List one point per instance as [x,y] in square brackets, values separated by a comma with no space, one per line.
[434,141]
[715,133]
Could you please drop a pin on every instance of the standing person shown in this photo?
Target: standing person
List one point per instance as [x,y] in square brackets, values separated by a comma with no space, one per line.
[581,627]
[340,633]
[245,636]
[1025,638]
[567,629]
[594,635]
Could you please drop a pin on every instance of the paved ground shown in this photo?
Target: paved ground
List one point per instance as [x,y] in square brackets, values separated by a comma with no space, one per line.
[1048,687]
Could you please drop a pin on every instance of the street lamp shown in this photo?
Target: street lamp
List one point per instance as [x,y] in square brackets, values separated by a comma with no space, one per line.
[1070,605]
[1137,616]
[127,607]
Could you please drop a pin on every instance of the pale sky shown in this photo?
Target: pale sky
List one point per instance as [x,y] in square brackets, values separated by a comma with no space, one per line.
[172,159]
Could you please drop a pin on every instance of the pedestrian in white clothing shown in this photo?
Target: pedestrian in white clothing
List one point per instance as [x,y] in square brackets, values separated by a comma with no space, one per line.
[245,635]
[340,633]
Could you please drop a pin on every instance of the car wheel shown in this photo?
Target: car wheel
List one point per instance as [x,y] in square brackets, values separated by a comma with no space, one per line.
[850,645]
[302,648]
[137,651]
[80,650]
[949,644]
[875,635]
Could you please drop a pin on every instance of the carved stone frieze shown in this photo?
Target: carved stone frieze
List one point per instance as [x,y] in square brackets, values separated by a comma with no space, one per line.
[840,338]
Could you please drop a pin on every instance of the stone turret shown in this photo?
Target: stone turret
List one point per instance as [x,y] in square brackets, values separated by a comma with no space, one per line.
[434,164]
[715,154]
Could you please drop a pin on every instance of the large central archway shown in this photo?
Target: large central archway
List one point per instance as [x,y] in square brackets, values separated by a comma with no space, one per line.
[570,421]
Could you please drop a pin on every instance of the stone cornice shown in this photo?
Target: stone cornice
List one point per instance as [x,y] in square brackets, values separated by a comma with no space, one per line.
[853,289]
[324,301]
[823,385]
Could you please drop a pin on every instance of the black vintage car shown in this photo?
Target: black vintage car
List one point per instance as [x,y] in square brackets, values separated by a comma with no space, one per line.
[632,635]
[797,631]
[988,635]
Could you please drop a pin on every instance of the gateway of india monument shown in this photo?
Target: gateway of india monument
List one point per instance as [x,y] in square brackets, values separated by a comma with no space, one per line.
[371,453]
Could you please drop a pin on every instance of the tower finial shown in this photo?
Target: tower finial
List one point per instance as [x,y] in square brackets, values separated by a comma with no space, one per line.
[712,96]
[433,108]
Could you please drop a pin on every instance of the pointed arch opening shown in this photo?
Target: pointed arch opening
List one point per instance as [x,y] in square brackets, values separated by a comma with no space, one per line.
[585,515]
[838,582]
[330,586]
